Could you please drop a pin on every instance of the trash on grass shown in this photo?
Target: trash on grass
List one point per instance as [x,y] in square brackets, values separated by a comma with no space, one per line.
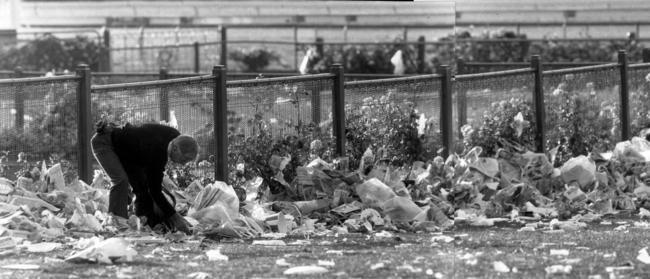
[558,269]
[106,251]
[216,255]
[305,270]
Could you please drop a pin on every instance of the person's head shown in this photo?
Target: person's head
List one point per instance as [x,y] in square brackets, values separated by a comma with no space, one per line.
[182,149]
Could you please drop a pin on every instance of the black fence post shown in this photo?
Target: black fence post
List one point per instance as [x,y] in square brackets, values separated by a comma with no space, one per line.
[164,96]
[315,108]
[540,110]
[421,52]
[219,109]
[320,49]
[625,96]
[338,108]
[106,59]
[446,122]
[223,59]
[197,57]
[461,98]
[84,128]
[19,101]
[646,55]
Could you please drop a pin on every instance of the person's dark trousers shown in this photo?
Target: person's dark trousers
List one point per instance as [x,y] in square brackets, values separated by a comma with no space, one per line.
[119,195]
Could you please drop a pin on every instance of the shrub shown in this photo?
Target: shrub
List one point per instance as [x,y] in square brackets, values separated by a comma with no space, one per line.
[499,124]
[364,59]
[255,59]
[392,129]
[640,110]
[48,52]
[577,124]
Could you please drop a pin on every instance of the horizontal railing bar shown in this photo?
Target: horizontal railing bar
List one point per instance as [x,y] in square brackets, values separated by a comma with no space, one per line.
[494,74]
[396,79]
[250,82]
[152,47]
[131,85]
[38,79]
[638,65]
[528,63]
[377,43]
[125,74]
[581,69]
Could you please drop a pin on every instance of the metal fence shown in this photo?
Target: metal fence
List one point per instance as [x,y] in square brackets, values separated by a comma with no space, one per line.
[222,114]
[474,94]
[39,118]
[639,90]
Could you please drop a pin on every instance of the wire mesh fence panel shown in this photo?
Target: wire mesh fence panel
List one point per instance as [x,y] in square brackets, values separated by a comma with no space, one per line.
[39,119]
[209,56]
[277,117]
[582,110]
[176,58]
[113,78]
[256,56]
[639,90]
[123,37]
[400,117]
[490,104]
[186,104]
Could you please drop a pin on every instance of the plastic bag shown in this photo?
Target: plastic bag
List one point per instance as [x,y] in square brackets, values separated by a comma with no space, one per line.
[398,62]
[580,170]
[218,192]
[374,193]
[632,151]
[105,252]
[401,209]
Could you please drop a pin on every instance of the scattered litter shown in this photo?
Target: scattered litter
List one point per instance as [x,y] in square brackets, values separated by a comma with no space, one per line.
[273,242]
[21,266]
[199,275]
[305,270]
[384,234]
[106,252]
[43,247]
[558,269]
[559,252]
[326,263]
[409,268]
[643,256]
[215,255]
[442,238]
[500,267]
[282,262]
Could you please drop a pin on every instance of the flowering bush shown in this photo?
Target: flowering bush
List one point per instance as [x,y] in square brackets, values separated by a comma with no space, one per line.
[640,107]
[364,59]
[393,129]
[254,60]
[511,121]
[577,124]
[49,52]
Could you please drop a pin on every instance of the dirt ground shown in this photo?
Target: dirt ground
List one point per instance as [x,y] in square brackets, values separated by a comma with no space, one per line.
[603,250]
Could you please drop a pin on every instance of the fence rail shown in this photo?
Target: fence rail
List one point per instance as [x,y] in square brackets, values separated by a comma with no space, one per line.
[207,105]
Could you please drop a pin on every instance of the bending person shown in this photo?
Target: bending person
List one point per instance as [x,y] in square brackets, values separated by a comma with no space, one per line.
[137,156]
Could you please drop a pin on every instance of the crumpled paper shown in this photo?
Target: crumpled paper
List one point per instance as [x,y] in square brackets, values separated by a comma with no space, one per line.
[106,252]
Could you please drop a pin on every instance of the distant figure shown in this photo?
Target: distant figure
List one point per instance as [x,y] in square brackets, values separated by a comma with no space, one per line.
[136,156]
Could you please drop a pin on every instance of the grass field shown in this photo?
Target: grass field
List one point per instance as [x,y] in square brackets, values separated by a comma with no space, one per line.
[603,250]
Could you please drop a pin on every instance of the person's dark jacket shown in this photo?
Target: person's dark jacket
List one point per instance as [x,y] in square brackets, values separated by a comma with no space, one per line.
[142,150]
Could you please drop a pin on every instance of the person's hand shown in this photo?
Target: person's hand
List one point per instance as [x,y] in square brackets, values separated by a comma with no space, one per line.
[177,222]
